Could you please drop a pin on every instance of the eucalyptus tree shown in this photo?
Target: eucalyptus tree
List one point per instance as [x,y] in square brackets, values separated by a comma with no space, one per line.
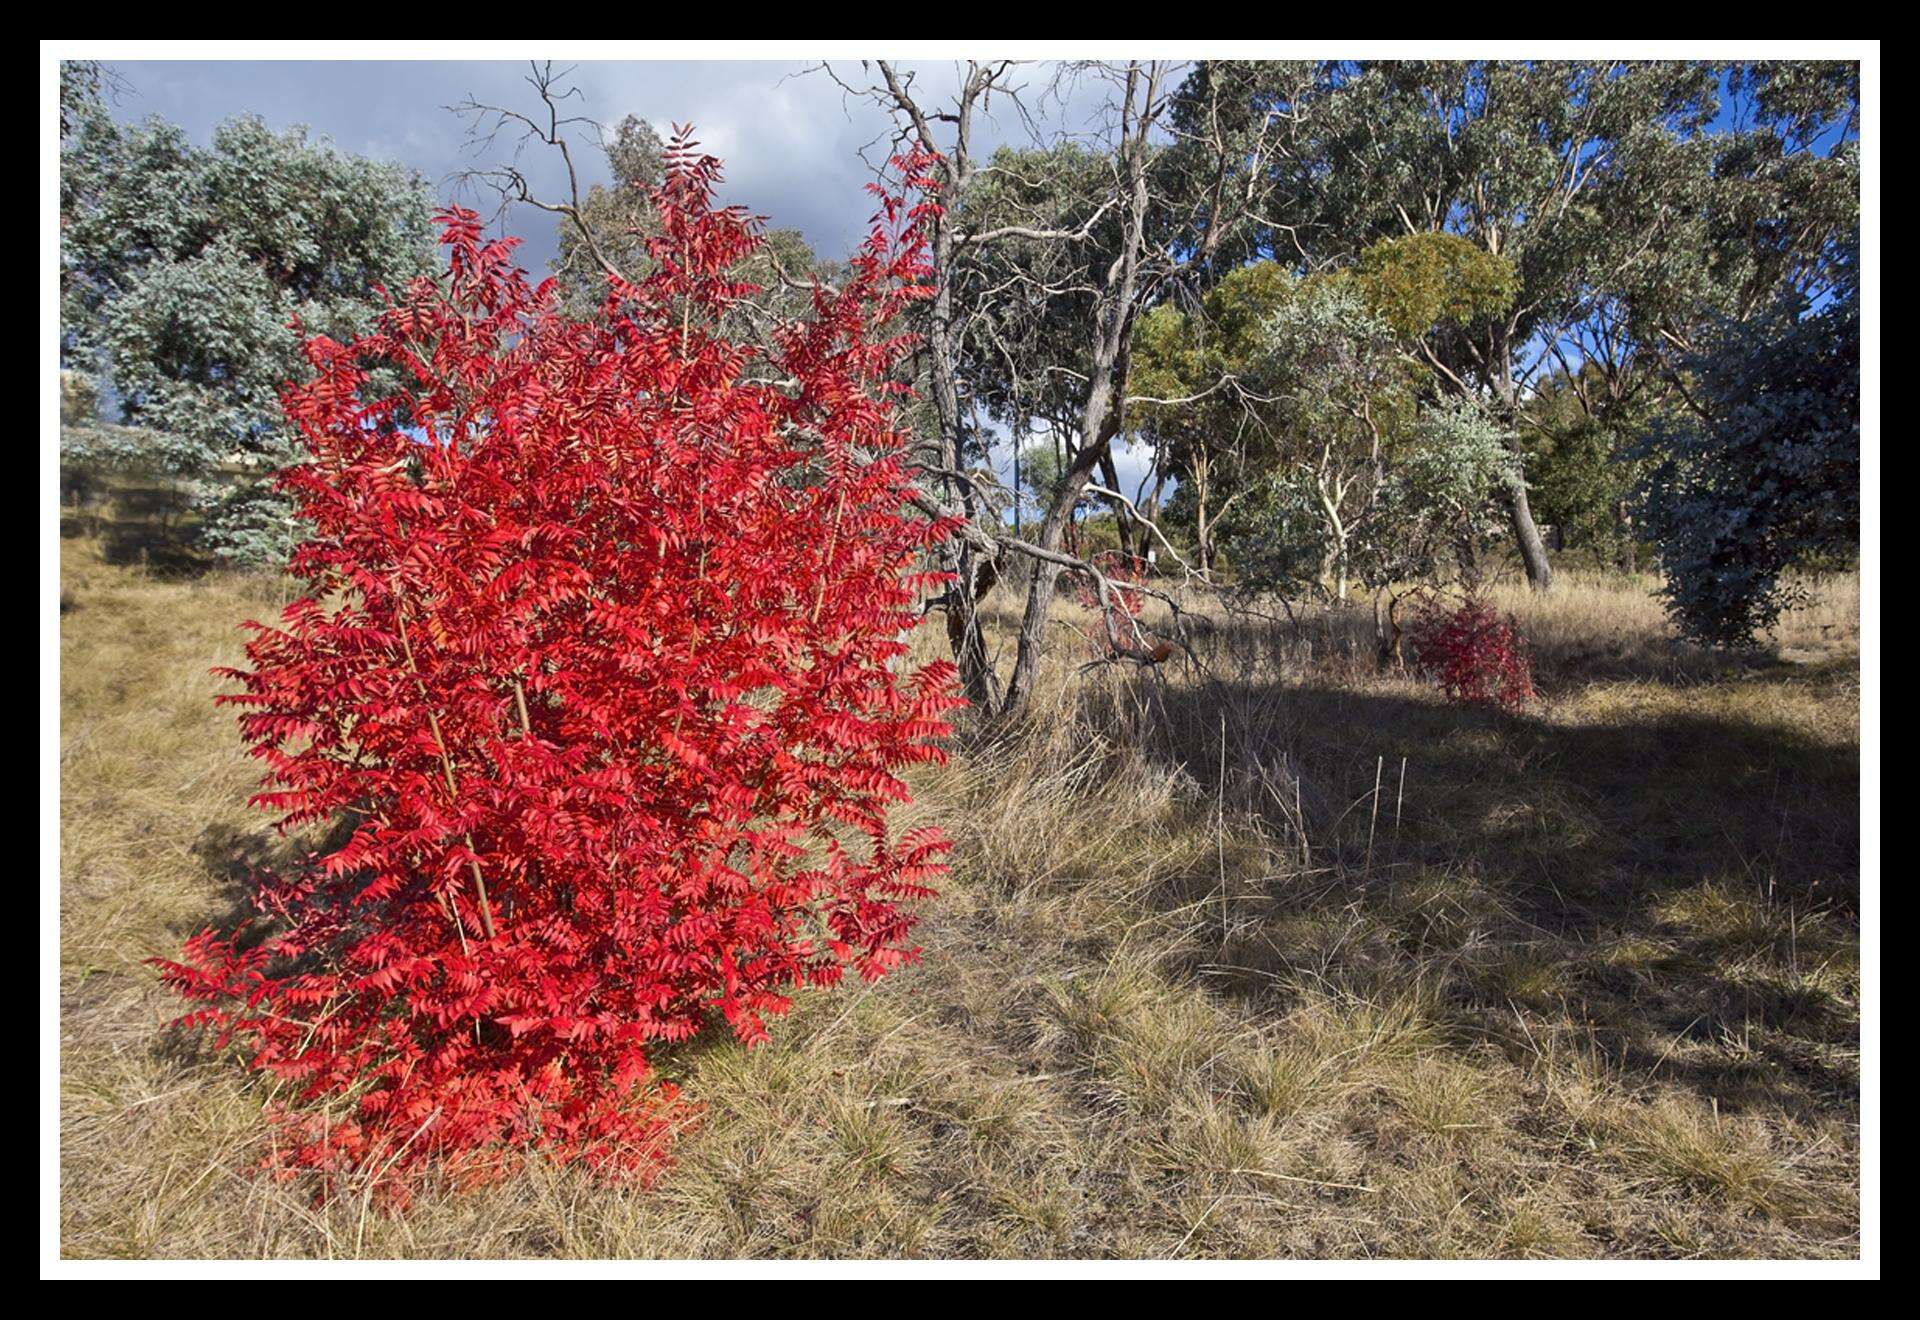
[617,216]
[941,135]
[1141,256]
[183,269]
[1756,471]
[1314,383]
[1761,475]
[1345,394]
[1083,256]
[1567,170]
[1580,459]
[1217,443]
[1022,300]
[1627,223]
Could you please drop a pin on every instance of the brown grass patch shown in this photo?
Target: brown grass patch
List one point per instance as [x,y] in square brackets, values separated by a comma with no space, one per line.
[1592,990]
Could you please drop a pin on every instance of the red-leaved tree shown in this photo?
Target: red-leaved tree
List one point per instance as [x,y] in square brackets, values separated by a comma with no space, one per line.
[602,662]
[1475,654]
[1117,601]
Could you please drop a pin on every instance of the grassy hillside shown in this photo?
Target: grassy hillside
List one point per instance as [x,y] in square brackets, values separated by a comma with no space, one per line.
[1583,983]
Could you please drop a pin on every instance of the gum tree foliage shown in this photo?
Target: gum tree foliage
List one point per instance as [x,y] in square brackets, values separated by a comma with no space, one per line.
[1433,497]
[1518,160]
[1627,224]
[1763,474]
[1442,495]
[1219,446]
[1581,466]
[621,214]
[1435,508]
[1364,472]
[1760,210]
[1344,396]
[183,269]
[1327,372]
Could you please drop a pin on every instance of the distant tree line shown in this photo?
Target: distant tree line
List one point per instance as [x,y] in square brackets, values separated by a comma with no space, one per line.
[1376,324]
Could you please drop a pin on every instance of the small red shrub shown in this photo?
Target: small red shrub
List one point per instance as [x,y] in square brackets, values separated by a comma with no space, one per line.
[1475,653]
[1118,633]
[600,659]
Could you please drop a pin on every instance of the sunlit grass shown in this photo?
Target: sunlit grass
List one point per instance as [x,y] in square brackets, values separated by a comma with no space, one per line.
[1585,984]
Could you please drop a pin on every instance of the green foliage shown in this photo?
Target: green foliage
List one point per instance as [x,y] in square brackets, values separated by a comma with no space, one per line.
[1041,471]
[1765,476]
[1582,461]
[1432,502]
[1424,281]
[1026,344]
[184,268]
[1366,482]
[1517,221]
[1325,465]
[1444,486]
[1337,365]
[621,216]
[1179,354]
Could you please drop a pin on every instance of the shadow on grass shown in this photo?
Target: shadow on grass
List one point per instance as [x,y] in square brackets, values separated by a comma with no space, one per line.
[1681,882]
[140,525]
[1341,642]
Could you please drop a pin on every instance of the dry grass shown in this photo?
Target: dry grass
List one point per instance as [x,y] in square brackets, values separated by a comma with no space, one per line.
[1594,994]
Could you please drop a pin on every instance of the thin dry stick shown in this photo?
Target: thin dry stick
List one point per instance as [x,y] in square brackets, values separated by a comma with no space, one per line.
[526,731]
[446,766]
[1220,825]
[1379,764]
[520,700]
[1399,796]
[1300,815]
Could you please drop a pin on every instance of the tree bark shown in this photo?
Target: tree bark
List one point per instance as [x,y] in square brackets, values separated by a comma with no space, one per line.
[972,578]
[1122,520]
[1045,576]
[1526,535]
[1533,550]
[1111,328]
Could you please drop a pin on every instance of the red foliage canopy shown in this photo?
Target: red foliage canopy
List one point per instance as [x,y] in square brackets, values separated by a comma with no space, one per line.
[1476,654]
[602,661]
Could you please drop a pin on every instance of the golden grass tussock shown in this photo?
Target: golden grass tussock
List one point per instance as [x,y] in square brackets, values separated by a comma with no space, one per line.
[1579,982]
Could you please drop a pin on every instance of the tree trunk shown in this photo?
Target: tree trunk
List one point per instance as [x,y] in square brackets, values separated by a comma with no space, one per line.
[972,579]
[1202,525]
[1101,423]
[968,643]
[1122,520]
[1533,551]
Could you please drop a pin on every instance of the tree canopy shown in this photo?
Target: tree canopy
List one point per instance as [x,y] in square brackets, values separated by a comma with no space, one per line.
[185,268]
